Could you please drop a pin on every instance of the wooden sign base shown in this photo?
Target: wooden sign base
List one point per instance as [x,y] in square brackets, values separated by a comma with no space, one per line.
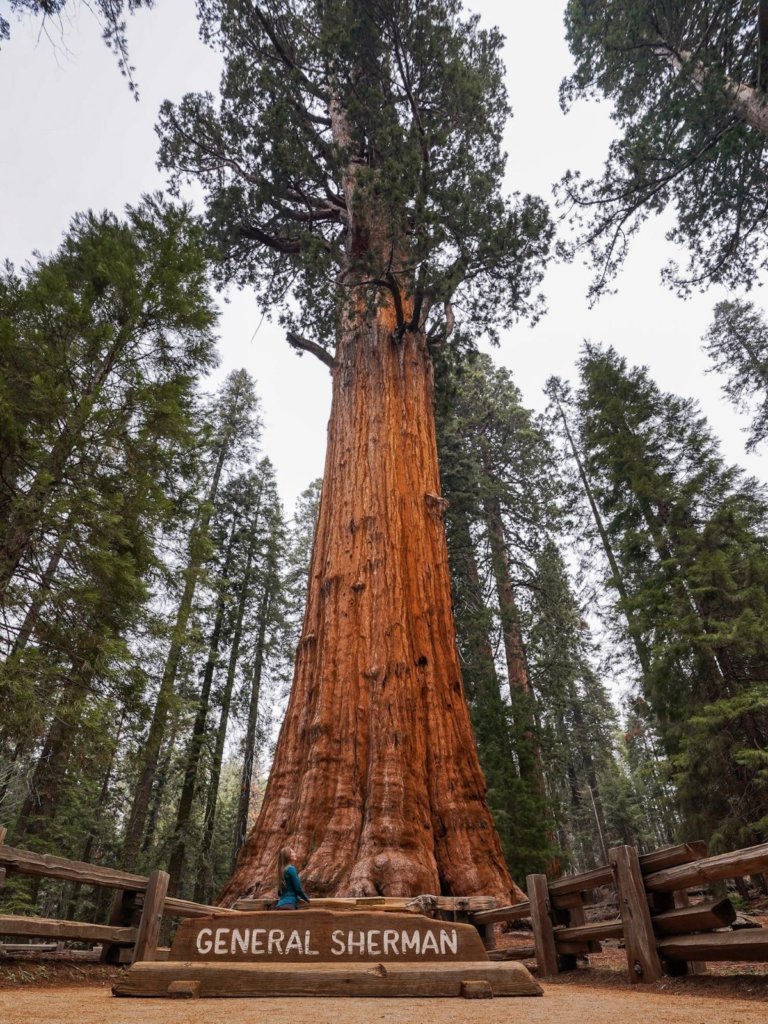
[325,953]
[174,979]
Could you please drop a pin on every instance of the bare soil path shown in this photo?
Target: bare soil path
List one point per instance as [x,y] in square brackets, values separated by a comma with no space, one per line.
[561,1004]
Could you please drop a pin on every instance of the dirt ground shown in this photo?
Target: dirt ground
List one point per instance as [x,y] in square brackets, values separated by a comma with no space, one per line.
[600,995]
[560,1004]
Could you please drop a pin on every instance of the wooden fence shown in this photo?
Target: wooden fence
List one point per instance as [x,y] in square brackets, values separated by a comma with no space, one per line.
[663,932]
[138,907]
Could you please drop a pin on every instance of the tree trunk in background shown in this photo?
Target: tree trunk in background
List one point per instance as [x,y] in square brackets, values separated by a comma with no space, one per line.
[212,797]
[195,747]
[520,692]
[635,633]
[376,781]
[151,750]
[249,744]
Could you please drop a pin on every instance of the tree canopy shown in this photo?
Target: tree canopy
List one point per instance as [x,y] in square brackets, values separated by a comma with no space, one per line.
[337,115]
[688,82]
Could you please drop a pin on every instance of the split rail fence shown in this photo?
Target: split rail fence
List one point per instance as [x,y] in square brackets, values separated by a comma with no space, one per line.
[138,907]
[663,932]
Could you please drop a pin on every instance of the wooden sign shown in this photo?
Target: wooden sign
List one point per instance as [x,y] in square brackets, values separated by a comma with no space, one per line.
[322,936]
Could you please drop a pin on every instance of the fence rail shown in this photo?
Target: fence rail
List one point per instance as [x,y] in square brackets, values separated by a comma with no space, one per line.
[138,907]
[663,932]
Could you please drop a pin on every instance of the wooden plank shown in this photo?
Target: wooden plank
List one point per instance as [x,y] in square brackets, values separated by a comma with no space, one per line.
[670,856]
[662,903]
[751,944]
[185,908]
[389,904]
[514,912]
[50,928]
[543,932]
[476,990]
[28,947]
[320,936]
[356,980]
[703,917]
[514,953]
[397,904]
[151,916]
[590,932]
[639,941]
[582,882]
[45,865]
[184,990]
[711,869]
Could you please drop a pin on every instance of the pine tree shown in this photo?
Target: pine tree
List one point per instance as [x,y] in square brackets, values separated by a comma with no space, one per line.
[576,717]
[102,344]
[737,344]
[689,534]
[497,478]
[234,425]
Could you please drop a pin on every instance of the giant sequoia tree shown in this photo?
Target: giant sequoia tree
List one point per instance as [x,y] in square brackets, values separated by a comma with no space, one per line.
[352,174]
[689,82]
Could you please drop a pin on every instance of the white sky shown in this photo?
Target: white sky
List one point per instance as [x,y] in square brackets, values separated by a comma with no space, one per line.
[73,138]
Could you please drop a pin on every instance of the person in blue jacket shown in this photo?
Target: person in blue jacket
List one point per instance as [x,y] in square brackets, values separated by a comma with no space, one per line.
[289,890]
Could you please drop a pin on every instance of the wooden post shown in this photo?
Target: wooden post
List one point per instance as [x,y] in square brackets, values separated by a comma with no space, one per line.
[640,942]
[543,932]
[151,916]
[124,913]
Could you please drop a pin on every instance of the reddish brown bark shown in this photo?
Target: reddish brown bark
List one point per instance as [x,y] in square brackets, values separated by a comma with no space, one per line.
[376,781]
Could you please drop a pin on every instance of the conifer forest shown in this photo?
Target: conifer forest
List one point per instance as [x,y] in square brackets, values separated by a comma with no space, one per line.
[506,624]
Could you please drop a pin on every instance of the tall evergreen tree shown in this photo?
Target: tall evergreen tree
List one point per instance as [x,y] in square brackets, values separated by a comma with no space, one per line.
[498,480]
[737,343]
[233,426]
[100,348]
[690,536]
[354,162]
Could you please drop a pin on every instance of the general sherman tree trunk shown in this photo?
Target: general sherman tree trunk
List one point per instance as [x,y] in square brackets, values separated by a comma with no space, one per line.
[376,782]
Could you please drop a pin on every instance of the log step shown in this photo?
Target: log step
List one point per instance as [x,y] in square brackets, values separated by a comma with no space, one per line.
[356,980]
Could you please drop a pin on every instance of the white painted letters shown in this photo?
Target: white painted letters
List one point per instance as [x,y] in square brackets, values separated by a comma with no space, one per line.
[204,945]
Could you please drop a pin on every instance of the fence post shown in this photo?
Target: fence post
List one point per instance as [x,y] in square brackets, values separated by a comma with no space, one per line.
[543,932]
[151,916]
[639,940]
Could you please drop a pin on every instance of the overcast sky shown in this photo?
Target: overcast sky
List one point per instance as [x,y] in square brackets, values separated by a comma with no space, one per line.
[73,138]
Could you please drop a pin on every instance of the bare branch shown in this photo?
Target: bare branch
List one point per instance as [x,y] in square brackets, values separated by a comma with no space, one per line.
[305,345]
